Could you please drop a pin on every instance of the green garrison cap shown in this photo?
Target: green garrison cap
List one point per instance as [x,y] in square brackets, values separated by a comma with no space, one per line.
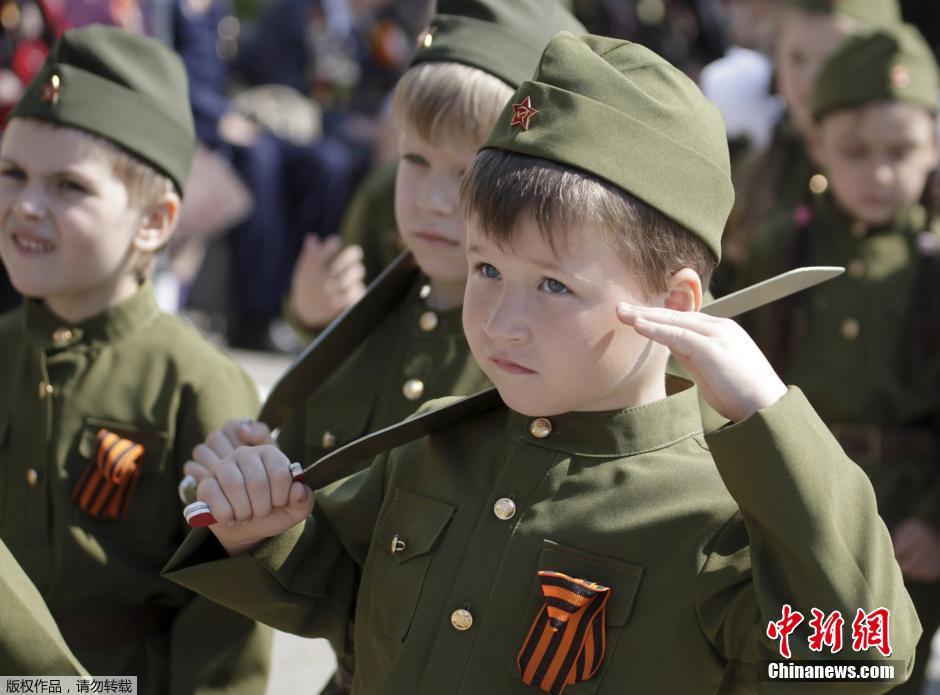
[123,87]
[618,111]
[887,64]
[502,37]
[872,12]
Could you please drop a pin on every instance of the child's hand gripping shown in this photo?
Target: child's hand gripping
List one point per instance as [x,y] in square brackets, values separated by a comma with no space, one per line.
[730,370]
[218,445]
[251,494]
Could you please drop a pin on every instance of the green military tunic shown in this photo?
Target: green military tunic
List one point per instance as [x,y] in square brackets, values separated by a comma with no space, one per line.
[370,221]
[768,183]
[701,539]
[406,354]
[30,641]
[151,379]
[846,349]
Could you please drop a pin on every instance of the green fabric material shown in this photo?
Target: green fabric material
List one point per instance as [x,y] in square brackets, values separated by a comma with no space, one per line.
[126,88]
[620,112]
[642,507]
[873,12]
[860,379]
[888,64]
[502,38]
[150,378]
[30,642]
[365,393]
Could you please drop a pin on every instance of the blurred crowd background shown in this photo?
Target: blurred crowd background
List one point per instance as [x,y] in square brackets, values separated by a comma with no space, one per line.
[290,100]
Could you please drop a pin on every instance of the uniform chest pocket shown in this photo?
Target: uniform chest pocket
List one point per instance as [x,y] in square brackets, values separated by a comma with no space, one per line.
[114,482]
[330,421]
[402,548]
[549,662]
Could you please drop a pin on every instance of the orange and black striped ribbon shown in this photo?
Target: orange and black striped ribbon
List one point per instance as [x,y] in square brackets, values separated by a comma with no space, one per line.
[566,643]
[106,486]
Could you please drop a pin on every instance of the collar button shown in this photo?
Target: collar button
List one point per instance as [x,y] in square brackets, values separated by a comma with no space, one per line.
[540,428]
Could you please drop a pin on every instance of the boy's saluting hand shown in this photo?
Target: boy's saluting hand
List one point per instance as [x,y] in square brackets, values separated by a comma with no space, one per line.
[730,370]
[253,496]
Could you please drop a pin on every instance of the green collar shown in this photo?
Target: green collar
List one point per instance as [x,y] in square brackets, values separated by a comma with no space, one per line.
[50,331]
[615,433]
[912,219]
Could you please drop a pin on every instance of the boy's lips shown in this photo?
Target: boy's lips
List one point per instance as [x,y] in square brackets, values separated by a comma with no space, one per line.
[435,238]
[30,244]
[509,366]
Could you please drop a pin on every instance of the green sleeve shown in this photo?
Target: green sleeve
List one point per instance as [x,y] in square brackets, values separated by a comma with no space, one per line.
[30,641]
[808,534]
[303,581]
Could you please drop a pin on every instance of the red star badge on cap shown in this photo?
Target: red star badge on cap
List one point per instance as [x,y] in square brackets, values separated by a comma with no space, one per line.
[50,90]
[523,113]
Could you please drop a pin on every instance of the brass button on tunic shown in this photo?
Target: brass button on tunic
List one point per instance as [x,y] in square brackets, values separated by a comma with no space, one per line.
[428,321]
[504,509]
[541,427]
[850,329]
[62,336]
[413,389]
[461,619]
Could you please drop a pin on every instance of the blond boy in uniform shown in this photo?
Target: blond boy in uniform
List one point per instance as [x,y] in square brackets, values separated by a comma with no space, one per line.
[102,396]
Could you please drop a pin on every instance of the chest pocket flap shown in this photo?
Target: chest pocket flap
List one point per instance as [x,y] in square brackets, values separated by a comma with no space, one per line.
[403,546]
[143,493]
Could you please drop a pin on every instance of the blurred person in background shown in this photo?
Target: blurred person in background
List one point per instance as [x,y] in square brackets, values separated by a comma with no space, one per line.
[780,178]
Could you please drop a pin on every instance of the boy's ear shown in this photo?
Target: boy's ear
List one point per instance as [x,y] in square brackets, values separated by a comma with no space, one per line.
[157,223]
[684,292]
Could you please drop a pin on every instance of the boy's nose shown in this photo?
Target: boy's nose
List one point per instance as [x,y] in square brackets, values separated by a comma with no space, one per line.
[506,321]
[28,208]
[884,174]
[438,198]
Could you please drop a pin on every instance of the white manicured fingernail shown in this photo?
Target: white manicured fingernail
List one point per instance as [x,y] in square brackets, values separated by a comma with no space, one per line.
[187,489]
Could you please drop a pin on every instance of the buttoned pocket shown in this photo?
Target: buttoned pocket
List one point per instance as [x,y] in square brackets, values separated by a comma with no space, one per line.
[332,421]
[143,494]
[406,536]
[622,578]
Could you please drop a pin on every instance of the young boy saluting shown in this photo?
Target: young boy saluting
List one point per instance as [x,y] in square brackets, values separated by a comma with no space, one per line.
[577,526]
[103,396]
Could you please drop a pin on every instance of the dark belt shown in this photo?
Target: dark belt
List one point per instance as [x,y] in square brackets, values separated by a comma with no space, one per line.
[118,627]
[870,445]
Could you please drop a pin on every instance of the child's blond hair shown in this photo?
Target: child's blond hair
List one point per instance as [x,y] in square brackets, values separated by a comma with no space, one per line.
[447,102]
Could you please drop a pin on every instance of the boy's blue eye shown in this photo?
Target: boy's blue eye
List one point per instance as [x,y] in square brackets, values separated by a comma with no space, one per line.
[416,159]
[553,286]
[72,186]
[488,271]
[13,173]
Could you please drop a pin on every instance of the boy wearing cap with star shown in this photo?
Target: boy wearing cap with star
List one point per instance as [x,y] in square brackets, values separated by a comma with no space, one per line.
[403,343]
[103,396]
[864,347]
[574,525]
